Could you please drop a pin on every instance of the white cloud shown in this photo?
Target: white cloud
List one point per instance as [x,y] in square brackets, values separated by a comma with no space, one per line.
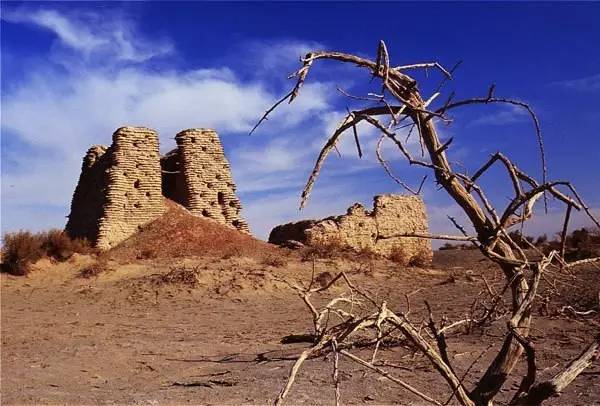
[585,84]
[503,115]
[92,34]
[278,58]
[61,113]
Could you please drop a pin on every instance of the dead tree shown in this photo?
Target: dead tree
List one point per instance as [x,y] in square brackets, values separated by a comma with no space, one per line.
[401,104]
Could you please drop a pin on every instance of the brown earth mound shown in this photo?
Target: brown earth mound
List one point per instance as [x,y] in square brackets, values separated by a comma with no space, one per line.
[178,233]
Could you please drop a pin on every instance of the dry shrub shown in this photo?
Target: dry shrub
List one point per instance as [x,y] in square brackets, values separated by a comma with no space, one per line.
[19,250]
[179,276]
[58,245]
[421,260]
[274,261]
[399,256]
[232,252]
[580,244]
[147,253]
[367,254]
[94,270]
[449,246]
[323,279]
[22,248]
[323,250]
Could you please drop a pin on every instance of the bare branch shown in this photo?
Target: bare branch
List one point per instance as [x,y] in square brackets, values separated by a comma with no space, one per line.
[390,377]
[554,386]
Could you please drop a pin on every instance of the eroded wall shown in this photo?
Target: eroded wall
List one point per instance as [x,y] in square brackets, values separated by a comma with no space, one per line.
[119,189]
[376,230]
[202,180]
[89,198]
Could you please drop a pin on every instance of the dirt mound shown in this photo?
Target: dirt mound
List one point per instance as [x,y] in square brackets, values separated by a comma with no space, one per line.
[178,233]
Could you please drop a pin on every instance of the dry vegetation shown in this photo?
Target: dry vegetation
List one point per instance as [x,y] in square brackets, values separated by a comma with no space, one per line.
[189,305]
[171,326]
[23,248]
[398,104]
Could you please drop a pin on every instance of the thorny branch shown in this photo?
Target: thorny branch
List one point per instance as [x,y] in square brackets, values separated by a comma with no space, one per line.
[400,100]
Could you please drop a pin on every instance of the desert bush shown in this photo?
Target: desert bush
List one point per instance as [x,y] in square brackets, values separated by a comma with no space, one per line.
[232,252]
[22,248]
[399,256]
[402,257]
[582,243]
[323,250]
[449,246]
[274,261]
[179,276]
[93,270]
[58,245]
[366,253]
[146,253]
[541,240]
[19,250]
[421,260]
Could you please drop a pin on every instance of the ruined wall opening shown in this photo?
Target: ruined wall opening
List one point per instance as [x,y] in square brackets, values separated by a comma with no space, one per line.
[173,185]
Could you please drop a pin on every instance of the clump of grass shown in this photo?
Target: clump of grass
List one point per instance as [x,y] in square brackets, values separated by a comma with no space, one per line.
[399,256]
[274,261]
[232,252]
[366,254]
[147,253]
[402,257]
[23,248]
[179,276]
[59,246]
[323,250]
[93,270]
[421,260]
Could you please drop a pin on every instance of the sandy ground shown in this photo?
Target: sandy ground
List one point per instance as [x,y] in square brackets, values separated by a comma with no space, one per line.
[135,336]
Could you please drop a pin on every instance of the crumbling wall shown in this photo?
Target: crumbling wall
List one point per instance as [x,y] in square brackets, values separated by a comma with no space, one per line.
[374,230]
[119,188]
[89,198]
[198,176]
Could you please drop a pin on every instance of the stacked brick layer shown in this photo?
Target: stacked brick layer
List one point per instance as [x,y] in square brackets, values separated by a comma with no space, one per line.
[89,198]
[122,185]
[205,176]
[375,230]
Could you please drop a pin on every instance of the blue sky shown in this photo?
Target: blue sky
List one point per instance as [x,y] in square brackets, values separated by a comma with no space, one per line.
[74,72]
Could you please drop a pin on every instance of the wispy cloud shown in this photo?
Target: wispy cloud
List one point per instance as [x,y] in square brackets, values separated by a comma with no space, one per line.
[586,84]
[60,112]
[92,34]
[503,115]
[52,115]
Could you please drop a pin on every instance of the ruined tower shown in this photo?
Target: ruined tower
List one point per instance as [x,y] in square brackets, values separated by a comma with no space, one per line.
[119,189]
[122,187]
[197,175]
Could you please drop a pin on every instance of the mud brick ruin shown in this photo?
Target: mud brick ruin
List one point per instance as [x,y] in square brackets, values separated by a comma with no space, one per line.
[197,175]
[361,229]
[121,187]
